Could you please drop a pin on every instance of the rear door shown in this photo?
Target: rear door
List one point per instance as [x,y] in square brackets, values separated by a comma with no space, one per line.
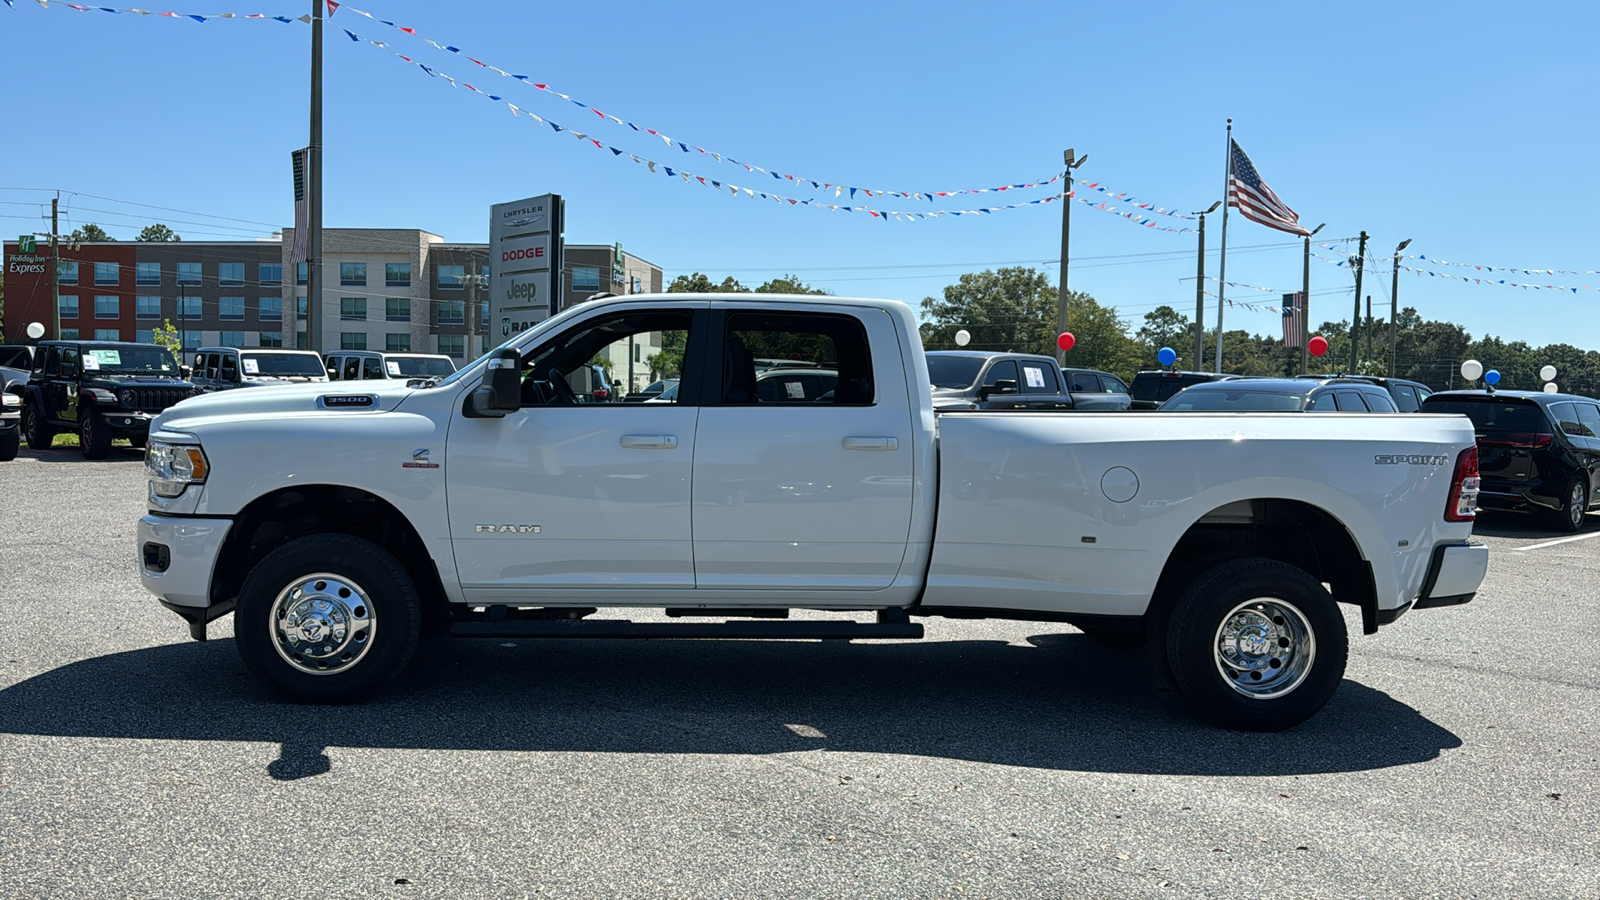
[807,494]
[1041,388]
[1589,419]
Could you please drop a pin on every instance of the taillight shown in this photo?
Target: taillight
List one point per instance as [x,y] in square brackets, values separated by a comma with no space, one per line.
[1523,440]
[1464,483]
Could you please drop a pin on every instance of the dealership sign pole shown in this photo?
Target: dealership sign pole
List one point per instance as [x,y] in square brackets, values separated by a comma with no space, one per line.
[525,262]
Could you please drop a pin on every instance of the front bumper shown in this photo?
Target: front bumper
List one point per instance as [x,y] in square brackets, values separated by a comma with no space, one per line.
[125,421]
[177,555]
[1454,575]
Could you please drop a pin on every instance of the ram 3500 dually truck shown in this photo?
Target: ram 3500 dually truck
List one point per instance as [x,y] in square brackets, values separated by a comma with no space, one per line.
[340,522]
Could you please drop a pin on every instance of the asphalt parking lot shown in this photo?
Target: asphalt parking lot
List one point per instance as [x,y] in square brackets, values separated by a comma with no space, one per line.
[1460,758]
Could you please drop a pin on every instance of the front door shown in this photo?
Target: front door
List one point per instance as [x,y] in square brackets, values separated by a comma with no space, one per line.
[562,496]
[798,492]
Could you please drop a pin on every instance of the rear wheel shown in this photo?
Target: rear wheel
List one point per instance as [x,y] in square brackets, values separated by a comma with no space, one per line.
[94,436]
[327,618]
[1571,518]
[1256,644]
[34,427]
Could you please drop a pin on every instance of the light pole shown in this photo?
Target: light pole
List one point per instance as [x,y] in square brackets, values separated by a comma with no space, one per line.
[1355,317]
[1200,295]
[1394,302]
[1305,306]
[1066,233]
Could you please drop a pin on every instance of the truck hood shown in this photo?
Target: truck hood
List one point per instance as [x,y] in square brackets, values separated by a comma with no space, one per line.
[288,399]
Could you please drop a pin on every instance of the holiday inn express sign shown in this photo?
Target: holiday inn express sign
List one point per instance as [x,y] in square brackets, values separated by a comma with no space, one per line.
[524,262]
[25,261]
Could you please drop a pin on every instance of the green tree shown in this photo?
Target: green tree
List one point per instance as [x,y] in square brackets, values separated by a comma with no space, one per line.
[789,284]
[701,284]
[166,334]
[157,232]
[89,234]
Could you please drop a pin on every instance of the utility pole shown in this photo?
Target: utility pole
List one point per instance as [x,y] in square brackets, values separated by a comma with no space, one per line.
[474,280]
[1066,234]
[55,266]
[314,188]
[1394,302]
[1368,328]
[1355,317]
[1305,306]
[1198,364]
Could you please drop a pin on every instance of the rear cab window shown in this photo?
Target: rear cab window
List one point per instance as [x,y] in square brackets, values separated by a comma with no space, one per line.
[831,347]
[1039,378]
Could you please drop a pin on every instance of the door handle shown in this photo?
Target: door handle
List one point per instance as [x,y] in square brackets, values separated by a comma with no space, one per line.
[871,443]
[650,441]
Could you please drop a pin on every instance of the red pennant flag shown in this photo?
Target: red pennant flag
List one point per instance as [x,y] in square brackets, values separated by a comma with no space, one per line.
[333,7]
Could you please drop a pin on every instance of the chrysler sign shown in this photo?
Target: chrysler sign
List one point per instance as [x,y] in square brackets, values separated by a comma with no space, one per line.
[525,251]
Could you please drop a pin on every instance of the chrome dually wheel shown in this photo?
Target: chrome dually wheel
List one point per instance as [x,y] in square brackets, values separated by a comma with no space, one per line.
[323,623]
[1265,648]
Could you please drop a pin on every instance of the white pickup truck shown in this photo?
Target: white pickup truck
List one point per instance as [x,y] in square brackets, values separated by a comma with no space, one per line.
[341,522]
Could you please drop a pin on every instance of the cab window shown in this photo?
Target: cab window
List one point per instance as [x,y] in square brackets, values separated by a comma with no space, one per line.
[1379,401]
[1038,378]
[69,360]
[1350,401]
[830,347]
[1004,370]
[352,368]
[1405,397]
[1322,403]
[1084,382]
[334,368]
[372,367]
[1589,419]
[568,370]
[211,364]
[228,368]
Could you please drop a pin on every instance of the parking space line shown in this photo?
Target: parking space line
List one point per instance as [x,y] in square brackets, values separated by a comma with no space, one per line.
[1566,540]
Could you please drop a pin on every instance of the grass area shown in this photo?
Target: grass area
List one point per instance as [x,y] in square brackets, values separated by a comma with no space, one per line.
[65,440]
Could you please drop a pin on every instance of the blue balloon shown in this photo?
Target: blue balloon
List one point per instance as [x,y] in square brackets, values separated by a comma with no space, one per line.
[1492,376]
[1167,356]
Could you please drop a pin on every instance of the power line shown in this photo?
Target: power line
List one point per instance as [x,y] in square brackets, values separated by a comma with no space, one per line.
[188,212]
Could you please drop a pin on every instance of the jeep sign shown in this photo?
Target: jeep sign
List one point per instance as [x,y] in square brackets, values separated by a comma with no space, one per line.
[525,251]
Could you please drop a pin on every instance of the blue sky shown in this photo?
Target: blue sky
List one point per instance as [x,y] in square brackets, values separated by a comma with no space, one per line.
[1468,127]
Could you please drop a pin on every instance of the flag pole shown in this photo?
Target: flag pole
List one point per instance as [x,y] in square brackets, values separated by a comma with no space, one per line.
[1222,266]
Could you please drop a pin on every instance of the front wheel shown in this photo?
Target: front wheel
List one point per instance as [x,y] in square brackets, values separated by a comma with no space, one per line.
[94,436]
[327,618]
[1571,517]
[34,427]
[1256,644]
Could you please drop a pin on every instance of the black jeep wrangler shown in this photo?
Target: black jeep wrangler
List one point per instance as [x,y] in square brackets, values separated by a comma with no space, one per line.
[101,389]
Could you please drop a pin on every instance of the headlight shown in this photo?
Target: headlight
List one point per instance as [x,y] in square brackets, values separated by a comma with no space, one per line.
[10,400]
[173,467]
[126,397]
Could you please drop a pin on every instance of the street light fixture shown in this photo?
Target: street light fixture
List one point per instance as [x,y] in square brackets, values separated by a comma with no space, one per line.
[1073,162]
[1394,302]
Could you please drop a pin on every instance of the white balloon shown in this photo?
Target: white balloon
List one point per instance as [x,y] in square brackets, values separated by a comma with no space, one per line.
[35,330]
[1471,370]
[1548,373]
[963,338]
[1550,386]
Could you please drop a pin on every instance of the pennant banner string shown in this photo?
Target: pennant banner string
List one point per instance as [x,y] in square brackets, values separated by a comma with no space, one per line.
[115,10]
[1513,270]
[1345,264]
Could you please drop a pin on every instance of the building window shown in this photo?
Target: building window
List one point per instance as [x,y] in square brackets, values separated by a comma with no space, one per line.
[270,273]
[106,307]
[353,340]
[300,309]
[452,312]
[107,334]
[69,306]
[107,273]
[397,343]
[67,272]
[230,273]
[397,274]
[233,339]
[585,278]
[352,309]
[300,340]
[271,309]
[483,273]
[189,273]
[69,334]
[300,274]
[269,339]
[147,307]
[353,274]
[147,273]
[453,344]
[189,307]
[452,276]
[396,309]
[483,315]
[483,345]
[191,340]
[230,307]
[145,336]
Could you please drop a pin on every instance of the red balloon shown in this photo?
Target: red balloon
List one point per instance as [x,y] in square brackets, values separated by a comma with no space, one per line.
[1318,345]
[1066,340]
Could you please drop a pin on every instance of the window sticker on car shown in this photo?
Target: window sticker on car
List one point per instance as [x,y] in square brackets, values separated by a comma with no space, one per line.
[1034,375]
[393,368]
[796,390]
[252,367]
[90,364]
[94,359]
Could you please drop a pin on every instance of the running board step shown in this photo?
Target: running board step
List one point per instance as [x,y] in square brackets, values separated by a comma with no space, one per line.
[624,628]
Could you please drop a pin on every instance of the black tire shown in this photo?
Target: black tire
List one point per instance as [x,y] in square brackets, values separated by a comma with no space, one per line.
[35,428]
[94,436]
[1571,515]
[1287,656]
[10,442]
[380,612]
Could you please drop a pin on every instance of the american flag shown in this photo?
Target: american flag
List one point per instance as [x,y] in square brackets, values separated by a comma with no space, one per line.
[1294,318]
[1254,200]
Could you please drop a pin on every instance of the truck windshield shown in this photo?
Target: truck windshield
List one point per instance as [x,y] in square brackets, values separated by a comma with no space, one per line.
[1492,415]
[130,360]
[282,365]
[953,371]
[420,366]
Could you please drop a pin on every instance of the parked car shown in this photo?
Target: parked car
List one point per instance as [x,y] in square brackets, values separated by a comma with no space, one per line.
[788,385]
[653,389]
[10,425]
[16,356]
[358,365]
[226,368]
[1093,389]
[1537,452]
[1281,395]
[102,390]
[1407,395]
[984,379]
[1152,388]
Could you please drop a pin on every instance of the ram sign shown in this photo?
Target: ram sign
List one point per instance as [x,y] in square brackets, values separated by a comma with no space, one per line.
[525,250]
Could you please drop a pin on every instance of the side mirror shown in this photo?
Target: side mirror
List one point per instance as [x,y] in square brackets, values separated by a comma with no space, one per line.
[185,371]
[501,391]
[1005,386]
[616,383]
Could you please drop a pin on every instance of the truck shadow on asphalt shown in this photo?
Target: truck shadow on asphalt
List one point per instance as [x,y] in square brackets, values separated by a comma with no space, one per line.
[1063,702]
